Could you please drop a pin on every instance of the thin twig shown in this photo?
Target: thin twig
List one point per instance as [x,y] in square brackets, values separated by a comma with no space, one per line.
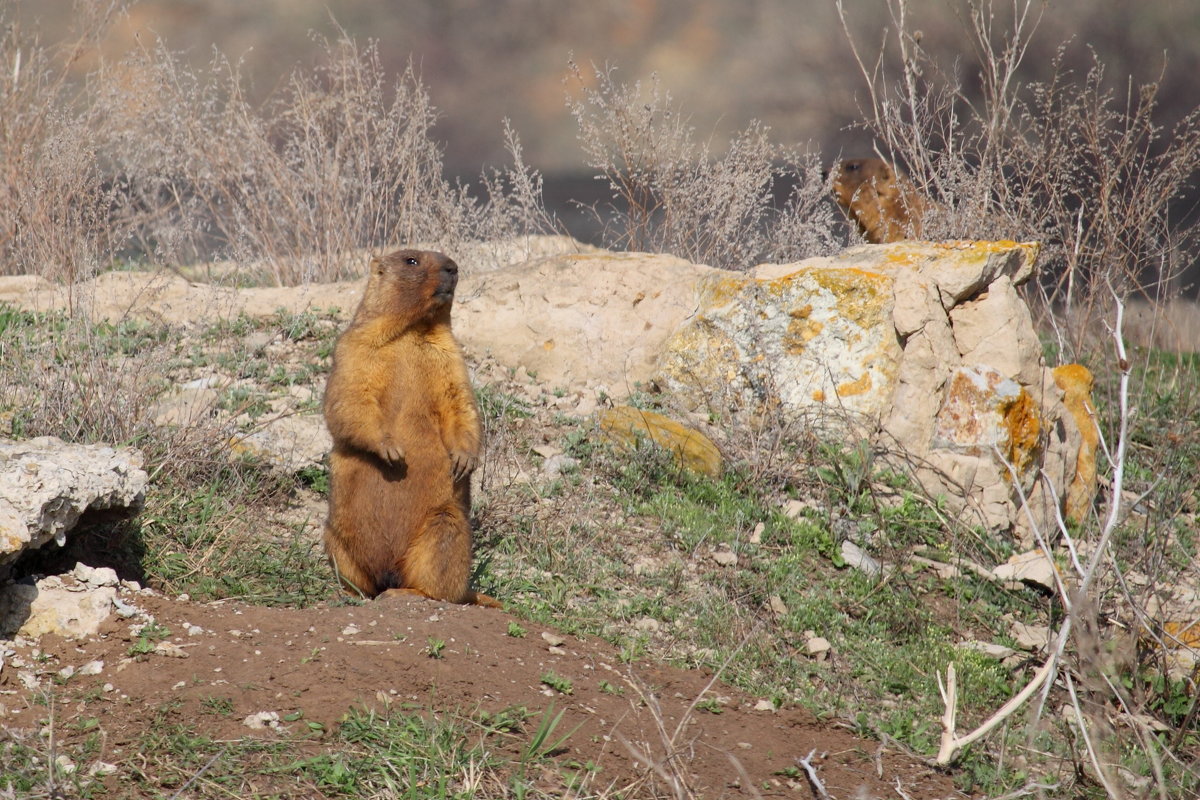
[813,779]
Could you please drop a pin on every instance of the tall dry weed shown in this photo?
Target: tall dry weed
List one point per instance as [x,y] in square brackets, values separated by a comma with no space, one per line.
[149,159]
[339,160]
[56,202]
[670,195]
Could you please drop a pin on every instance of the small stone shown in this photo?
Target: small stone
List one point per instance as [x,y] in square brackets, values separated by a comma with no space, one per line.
[644,565]
[996,651]
[793,509]
[170,650]
[647,625]
[557,464]
[262,719]
[1030,567]
[124,610]
[179,685]
[101,769]
[558,651]
[725,557]
[65,765]
[818,647]
[586,406]
[95,576]
[757,534]
[858,558]
[778,606]
[764,705]
[1031,637]
[552,639]
[194,630]
[547,450]
[91,668]
[350,630]
[66,672]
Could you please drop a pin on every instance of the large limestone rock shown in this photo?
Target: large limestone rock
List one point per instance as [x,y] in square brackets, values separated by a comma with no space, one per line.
[579,318]
[817,336]
[925,348]
[172,298]
[46,485]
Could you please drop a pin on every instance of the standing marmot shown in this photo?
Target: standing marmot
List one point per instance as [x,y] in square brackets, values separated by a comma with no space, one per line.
[406,437]
[884,203]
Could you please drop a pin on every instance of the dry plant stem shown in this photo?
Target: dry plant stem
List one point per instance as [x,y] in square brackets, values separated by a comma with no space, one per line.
[1111,790]
[813,779]
[952,744]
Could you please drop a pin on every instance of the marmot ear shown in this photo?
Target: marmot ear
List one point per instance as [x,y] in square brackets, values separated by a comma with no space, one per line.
[376,265]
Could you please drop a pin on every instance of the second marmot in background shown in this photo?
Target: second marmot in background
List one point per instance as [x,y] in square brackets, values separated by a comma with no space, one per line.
[882,201]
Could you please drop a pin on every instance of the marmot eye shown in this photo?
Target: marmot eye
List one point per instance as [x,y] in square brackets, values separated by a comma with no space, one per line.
[412,262]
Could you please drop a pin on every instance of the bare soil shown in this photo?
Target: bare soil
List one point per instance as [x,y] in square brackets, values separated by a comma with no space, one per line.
[323,661]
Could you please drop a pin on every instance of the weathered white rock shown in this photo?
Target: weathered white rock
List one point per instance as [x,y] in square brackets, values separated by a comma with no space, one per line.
[1031,637]
[1030,567]
[46,485]
[290,443]
[603,317]
[54,606]
[261,720]
[819,336]
[817,647]
[187,404]
[996,651]
[859,559]
[725,557]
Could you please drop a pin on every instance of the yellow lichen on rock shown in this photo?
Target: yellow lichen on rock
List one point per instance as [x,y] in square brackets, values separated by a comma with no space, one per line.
[1023,422]
[1076,381]
[852,388]
[625,425]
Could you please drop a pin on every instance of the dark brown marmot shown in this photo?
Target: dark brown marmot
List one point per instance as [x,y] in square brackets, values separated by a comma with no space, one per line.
[406,437]
[884,203]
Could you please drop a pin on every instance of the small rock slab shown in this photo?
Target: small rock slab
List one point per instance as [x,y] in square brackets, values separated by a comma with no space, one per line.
[46,485]
[625,425]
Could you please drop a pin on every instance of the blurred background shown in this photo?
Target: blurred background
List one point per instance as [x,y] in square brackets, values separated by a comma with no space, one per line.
[724,62]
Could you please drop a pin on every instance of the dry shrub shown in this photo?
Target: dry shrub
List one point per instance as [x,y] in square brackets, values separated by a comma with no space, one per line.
[55,201]
[1077,162]
[671,196]
[337,161]
[151,160]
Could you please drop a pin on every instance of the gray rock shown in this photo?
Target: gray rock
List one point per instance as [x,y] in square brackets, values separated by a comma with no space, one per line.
[46,485]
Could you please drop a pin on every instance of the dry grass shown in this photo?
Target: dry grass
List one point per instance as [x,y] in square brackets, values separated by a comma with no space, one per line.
[151,160]
[670,195]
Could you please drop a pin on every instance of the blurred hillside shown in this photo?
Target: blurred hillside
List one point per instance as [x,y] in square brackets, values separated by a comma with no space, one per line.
[725,62]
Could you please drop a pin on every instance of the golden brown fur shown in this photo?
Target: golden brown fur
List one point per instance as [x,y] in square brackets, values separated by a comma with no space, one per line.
[884,203]
[406,436]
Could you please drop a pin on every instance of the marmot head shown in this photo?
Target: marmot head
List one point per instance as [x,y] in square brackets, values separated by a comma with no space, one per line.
[411,284]
[853,174]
